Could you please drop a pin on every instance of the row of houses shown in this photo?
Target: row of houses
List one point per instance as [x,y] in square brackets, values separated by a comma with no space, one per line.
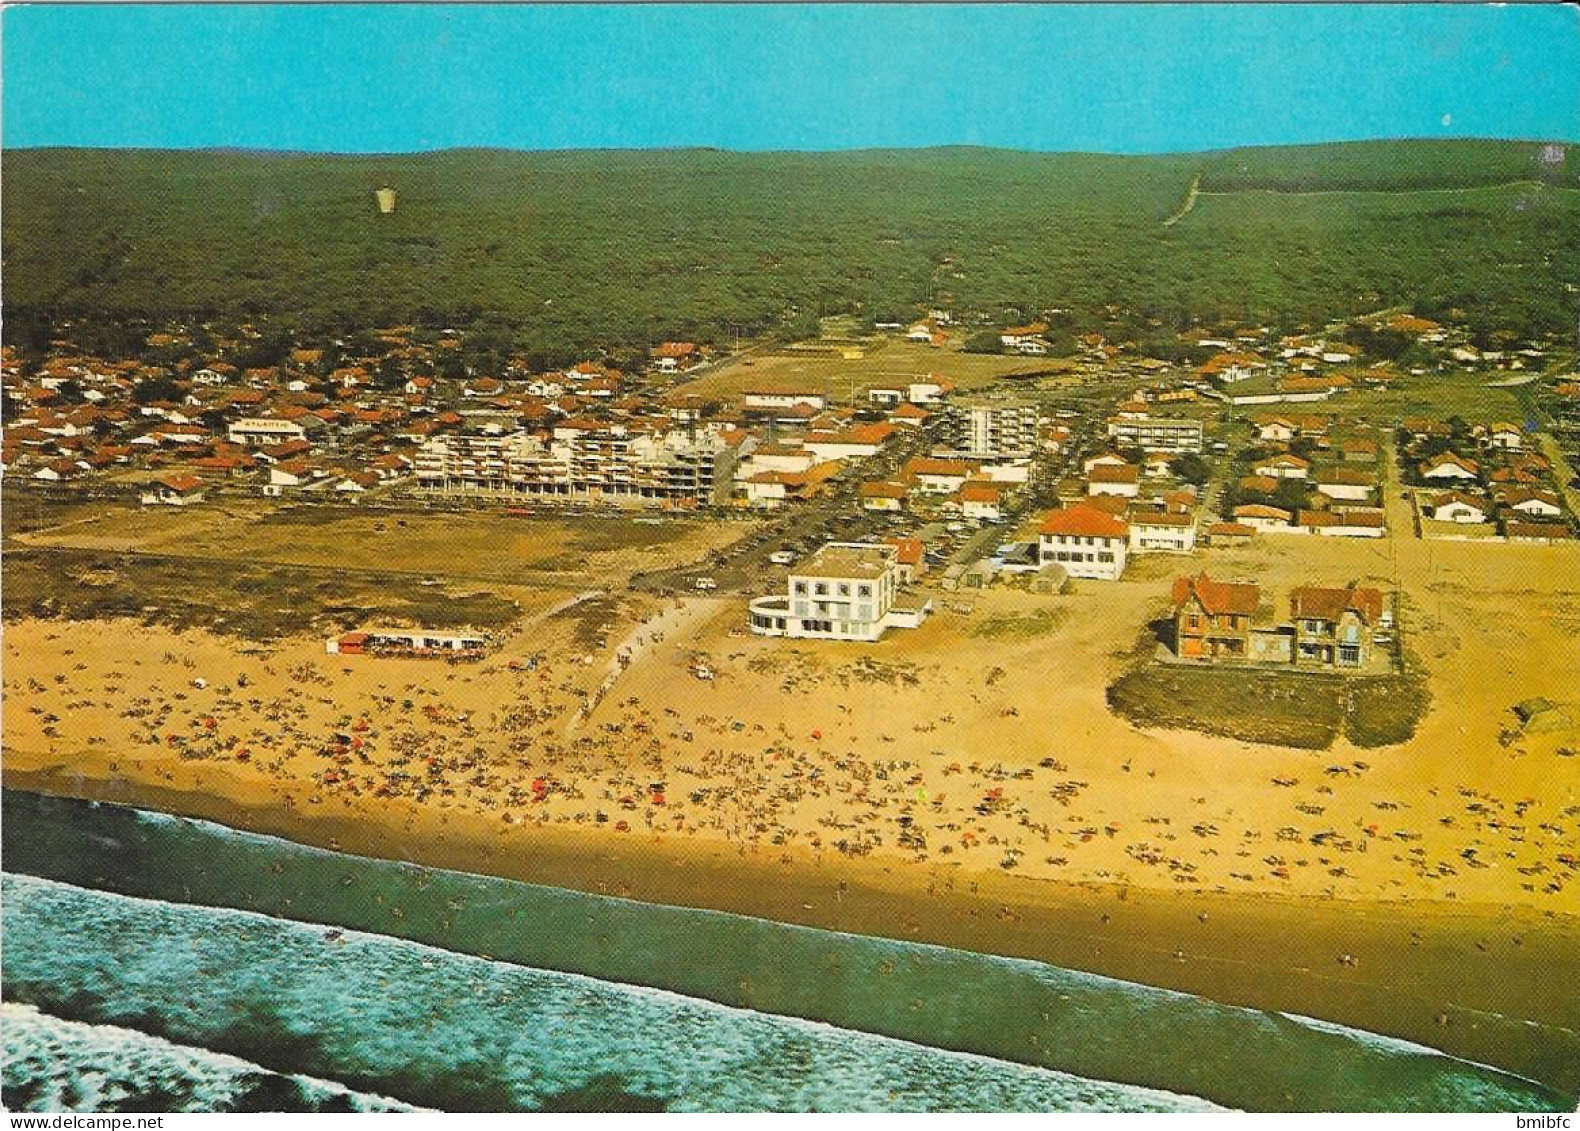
[1505,488]
[1218,622]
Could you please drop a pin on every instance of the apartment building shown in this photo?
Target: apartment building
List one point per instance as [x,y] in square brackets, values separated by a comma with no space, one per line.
[1087,542]
[843,591]
[1156,433]
[581,460]
[990,429]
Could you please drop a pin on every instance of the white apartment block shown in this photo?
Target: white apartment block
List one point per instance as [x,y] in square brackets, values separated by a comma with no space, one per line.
[1162,533]
[264,430]
[581,461]
[844,591]
[1157,433]
[990,429]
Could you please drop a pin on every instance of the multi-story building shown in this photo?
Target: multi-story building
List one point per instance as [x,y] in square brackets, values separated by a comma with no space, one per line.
[1216,622]
[990,428]
[584,461]
[1161,532]
[1335,627]
[265,430]
[766,397]
[1212,619]
[844,591]
[1156,433]
[1087,542]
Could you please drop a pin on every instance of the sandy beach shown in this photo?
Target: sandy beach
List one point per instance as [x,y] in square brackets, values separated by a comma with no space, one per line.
[964,783]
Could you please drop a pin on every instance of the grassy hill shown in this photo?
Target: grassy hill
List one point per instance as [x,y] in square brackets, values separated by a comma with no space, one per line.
[570,250]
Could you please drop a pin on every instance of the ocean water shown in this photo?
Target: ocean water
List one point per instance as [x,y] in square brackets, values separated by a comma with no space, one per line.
[442,1029]
[1007,1010]
[57,1066]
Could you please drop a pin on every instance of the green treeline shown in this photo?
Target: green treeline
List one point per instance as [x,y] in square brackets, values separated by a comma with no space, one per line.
[572,251]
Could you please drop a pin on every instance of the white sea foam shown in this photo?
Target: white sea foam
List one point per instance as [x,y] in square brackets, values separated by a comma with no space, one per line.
[376,1006]
[57,1066]
[932,951]
[1385,1043]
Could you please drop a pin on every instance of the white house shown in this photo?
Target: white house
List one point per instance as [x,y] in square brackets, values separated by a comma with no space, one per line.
[1262,517]
[983,501]
[1536,504]
[883,495]
[1016,336]
[938,476]
[1162,533]
[853,443]
[1276,429]
[1505,436]
[844,591]
[1346,483]
[264,430]
[1102,459]
[763,398]
[928,391]
[1336,524]
[291,475]
[1456,506]
[176,491]
[1105,479]
[1087,542]
[1284,466]
[1449,466]
[774,457]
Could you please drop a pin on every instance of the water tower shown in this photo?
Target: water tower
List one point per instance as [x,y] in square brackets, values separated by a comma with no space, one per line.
[386,200]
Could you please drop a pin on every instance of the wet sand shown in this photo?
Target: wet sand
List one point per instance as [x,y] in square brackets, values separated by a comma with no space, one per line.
[1475,981]
[966,786]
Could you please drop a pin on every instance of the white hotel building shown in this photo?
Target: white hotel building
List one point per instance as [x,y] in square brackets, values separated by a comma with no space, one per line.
[844,591]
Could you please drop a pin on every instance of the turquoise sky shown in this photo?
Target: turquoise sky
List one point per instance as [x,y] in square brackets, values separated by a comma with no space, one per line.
[1110,78]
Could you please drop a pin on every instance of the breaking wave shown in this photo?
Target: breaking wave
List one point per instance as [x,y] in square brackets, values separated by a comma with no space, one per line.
[377,1014]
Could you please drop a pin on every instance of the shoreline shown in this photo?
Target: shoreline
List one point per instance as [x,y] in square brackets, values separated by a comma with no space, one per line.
[1472,980]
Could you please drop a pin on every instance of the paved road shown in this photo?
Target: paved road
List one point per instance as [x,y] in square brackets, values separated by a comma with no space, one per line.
[1563,472]
[835,516]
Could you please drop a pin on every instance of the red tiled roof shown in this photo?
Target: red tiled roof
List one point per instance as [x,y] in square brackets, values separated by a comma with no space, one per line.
[908,551]
[1217,596]
[922,465]
[1346,476]
[1160,518]
[1086,521]
[1256,510]
[1329,604]
[980,493]
[1447,497]
[1448,458]
[1230,529]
